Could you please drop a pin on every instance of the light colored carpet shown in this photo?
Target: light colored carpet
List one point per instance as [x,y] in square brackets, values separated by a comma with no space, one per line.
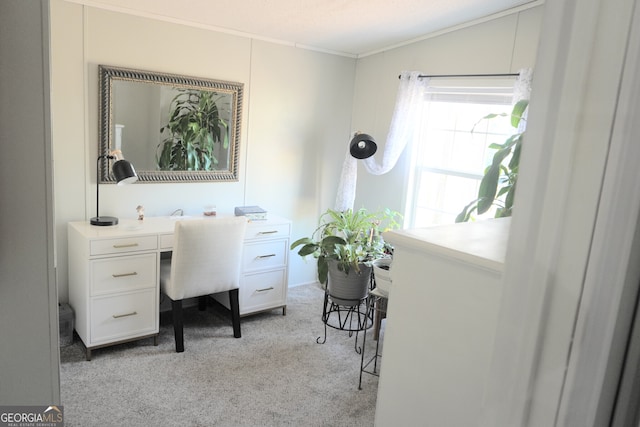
[275,375]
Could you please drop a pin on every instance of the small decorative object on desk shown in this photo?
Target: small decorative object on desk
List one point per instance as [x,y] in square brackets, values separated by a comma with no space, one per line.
[140,210]
[251,212]
[210,210]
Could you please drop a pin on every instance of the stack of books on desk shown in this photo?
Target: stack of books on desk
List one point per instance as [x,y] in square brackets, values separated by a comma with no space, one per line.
[251,212]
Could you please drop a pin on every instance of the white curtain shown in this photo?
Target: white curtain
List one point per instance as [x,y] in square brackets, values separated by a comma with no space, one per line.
[522,90]
[522,86]
[406,114]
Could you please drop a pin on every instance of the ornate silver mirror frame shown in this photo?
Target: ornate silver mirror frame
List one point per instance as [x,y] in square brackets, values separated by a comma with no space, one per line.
[138,111]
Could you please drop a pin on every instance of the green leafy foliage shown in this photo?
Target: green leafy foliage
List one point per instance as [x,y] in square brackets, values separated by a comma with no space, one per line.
[498,185]
[350,237]
[194,128]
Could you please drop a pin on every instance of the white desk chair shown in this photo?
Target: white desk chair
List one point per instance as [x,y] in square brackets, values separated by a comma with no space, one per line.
[206,259]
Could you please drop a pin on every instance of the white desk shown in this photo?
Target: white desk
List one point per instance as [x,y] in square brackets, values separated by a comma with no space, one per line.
[114,275]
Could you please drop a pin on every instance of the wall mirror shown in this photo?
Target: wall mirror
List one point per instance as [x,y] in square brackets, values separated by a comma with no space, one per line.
[171,128]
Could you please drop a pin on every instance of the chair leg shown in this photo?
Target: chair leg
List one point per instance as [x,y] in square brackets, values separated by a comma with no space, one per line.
[235,312]
[178,328]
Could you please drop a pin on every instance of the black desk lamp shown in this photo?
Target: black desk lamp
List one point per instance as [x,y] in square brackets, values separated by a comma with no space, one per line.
[362,146]
[124,173]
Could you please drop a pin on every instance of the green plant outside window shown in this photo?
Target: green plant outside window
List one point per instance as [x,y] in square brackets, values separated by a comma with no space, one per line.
[498,185]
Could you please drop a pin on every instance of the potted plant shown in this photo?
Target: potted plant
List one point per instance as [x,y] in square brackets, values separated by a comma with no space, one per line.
[498,185]
[194,129]
[382,274]
[345,244]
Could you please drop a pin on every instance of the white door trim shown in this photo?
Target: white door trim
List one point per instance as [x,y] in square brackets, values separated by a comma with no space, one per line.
[613,272]
[560,205]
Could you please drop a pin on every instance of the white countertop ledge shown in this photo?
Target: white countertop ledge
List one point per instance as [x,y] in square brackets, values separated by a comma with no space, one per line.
[482,243]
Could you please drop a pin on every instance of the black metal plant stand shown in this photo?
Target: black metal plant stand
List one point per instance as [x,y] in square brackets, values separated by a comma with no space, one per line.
[353,317]
[376,303]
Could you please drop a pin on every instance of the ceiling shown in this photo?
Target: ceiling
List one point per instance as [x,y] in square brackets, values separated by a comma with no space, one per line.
[347,27]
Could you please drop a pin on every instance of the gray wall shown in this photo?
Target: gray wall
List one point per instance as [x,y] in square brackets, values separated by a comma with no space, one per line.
[29,356]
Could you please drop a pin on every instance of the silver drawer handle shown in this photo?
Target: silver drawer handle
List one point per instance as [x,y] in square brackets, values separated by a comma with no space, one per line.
[265,256]
[270,288]
[117,316]
[126,245]
[125,274]
[268,232]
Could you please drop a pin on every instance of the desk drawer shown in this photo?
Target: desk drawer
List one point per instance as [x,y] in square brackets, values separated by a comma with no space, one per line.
[123,245]
[258,256]
[263,290]
[123,316]
[125,273]
[258,230]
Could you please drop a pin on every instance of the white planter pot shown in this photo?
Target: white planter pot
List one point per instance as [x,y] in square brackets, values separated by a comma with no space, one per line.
[382,274]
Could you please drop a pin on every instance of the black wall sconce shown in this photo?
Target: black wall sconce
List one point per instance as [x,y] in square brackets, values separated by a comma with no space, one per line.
[362,146]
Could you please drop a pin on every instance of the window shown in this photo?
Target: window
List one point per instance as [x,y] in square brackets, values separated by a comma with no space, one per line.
[452,149]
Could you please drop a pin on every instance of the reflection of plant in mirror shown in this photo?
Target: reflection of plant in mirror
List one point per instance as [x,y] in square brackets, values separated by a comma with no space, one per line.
[194,127]
[499,174]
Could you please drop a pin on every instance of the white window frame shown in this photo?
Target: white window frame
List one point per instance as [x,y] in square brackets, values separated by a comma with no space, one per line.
[498,90]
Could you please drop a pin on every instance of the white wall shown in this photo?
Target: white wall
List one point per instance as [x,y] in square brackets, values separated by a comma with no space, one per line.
[297,106]
[29,355]
[502,45]
[300,111]
[441,321]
